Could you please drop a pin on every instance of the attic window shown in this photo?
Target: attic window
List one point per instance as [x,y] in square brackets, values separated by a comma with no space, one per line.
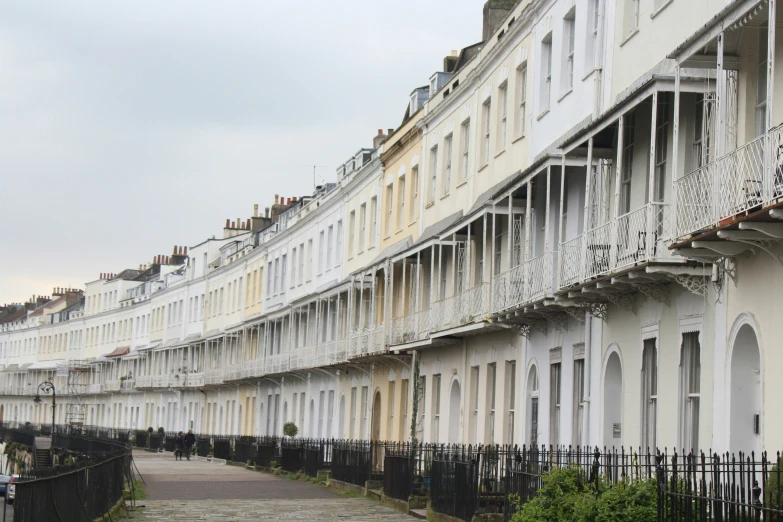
[445,93]
[501,34]
[511,22]
[454,85]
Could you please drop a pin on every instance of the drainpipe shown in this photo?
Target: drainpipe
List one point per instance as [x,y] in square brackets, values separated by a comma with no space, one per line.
[588,374]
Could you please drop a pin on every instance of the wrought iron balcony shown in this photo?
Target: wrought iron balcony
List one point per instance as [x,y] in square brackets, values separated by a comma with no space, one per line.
[633,238]
[194,380]
[332,352]
[128,385]
[214,376]
[94,388]
[524,283]
[161,381]
[741,181]
[303,357]
[412,327]
[367,341]
[276,363]
[112,386]
[144,381]
[464,308]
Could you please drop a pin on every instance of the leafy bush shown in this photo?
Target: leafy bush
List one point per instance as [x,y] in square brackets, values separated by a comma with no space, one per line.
[150,430]
[773,489]
[290,429]
[566,496]
[161,431]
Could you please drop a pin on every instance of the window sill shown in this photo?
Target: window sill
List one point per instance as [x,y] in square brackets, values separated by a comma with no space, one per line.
[590,73]
[655,13]
[397,231]
[462,184]
[387,237]
[370,248]
[500,153]
[413,222]
[518,138]
[544,113]
[430,204]
[483,167]
[562,96]
[627,38]
[444,196]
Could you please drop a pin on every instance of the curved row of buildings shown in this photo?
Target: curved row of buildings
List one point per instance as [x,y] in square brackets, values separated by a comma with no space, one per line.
[571,238]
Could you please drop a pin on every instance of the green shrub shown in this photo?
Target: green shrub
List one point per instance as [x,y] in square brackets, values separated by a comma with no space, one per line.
[773,489]
[290,429]
[566,496]
[161,431]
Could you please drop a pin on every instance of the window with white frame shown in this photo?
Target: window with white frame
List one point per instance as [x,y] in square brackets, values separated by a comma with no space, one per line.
[474,404]
[661,148]
[521,118]
[309,259]
[649,404]
[569,33]
[269,273]
[690,391]
[594,35]
[401,197]
[373,219]
[532,403]
[321,251]
[338,255]
[489,430]
[631,17]
[285,271]
[579,398]
[277,277]
[554,403]
[433,174]
[293,267]
[390,424]
[422,410]
[362,225]
[389,208]
[546,72]
[464,150]
[352,427]
[627,171]
[301,262]
[329,245]
[486,118]
[447,150]
[761,81]
[365,408]
[351,231]
[405,393]
[435,431]
[511,400]
[415,190]
[502,115]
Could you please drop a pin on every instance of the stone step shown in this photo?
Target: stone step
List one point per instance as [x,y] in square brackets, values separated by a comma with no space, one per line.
[418,513]
[375,493]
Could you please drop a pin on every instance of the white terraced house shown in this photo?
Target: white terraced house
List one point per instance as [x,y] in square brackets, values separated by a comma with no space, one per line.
[572,238]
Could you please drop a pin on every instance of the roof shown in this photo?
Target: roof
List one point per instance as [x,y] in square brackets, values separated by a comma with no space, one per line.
[390,251]
[434,230]
[122,350]
[46,365]
[25,366]
[148,347]
[11,367]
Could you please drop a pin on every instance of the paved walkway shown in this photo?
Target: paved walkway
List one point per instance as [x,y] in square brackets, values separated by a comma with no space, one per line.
[199,490]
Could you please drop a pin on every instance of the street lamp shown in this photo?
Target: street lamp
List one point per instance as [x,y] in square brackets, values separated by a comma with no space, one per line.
[47,387]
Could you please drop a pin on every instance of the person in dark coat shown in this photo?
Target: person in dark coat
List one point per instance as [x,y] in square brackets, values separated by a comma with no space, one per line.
[190,440]
[179,444]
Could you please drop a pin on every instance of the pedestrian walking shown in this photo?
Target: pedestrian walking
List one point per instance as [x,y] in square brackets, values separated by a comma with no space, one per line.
[179,444]
[190,440]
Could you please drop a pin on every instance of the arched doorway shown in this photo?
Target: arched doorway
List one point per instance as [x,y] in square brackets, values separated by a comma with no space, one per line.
[745,394]
[341,418]
[376,417]
[531,403]
[454,407]
[613,403]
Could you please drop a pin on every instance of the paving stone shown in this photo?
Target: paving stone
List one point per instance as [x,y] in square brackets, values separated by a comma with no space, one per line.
[198,490]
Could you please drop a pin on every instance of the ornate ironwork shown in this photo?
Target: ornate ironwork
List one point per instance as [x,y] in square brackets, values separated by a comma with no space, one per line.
[657,291]
[577,313]
[596,309]
[625,300]
[695,284]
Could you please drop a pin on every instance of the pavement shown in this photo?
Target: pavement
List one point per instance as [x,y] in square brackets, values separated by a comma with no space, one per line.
[199,490]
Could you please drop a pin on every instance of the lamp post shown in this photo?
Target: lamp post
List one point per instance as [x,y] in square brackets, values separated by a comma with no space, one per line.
[47,387]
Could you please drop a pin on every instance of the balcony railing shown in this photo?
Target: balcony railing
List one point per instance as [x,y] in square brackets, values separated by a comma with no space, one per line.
[332,352]
[144,381]
[541,272]
[214,376]
[366,341]
[302,358]
[744,179]
[112,386]
[412,327]
[254,368]
[464,308]
[234,371]
[636,237]
[508,289]
[94,388]
[194,380]
[160,381]
[276,363]
[128,385]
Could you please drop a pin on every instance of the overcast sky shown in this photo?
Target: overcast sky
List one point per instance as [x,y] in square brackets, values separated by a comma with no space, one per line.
[127,127]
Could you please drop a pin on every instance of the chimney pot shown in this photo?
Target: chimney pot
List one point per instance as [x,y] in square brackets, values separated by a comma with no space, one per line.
[248,224]
[232,224]
[186,251]
[276,198]
[380,131]
[255,210]
[266,212]
[228,222]
[175,250]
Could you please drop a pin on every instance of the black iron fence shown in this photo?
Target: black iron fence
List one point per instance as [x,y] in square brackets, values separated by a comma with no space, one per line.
[455,481]
[724,488]
[84,490]
[352,461]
